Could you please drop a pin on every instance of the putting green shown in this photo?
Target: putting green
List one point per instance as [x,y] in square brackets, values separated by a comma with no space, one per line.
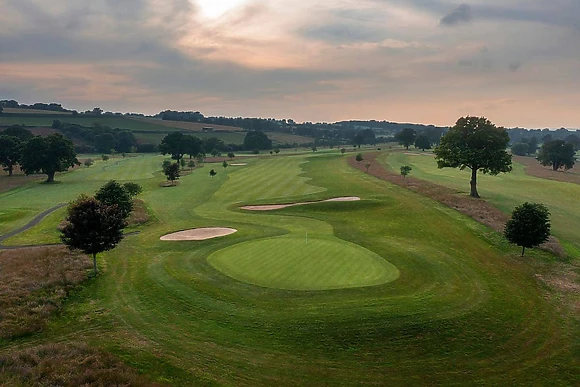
[292,264]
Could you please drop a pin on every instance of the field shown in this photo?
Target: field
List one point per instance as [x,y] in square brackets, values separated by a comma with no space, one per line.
[112,121]
[506,191]
[33,111]
[190,126]
[395,289]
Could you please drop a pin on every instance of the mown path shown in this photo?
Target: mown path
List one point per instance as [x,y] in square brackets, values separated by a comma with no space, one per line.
[27,226]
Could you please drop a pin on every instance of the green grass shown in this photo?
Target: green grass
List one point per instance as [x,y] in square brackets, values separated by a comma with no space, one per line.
[465,308]
[303,264]
[506,191]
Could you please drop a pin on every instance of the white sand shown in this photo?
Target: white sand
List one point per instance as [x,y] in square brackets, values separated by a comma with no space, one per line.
[238,164]
[280,206]
[198,234]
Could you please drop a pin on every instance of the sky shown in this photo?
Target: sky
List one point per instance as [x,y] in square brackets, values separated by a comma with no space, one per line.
[517,62]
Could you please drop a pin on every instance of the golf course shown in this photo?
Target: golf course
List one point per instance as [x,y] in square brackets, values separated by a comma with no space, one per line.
[391,289]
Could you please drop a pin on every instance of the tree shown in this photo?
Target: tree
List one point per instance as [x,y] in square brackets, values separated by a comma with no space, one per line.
[276,150]
[477,144]
[176,144]
[48,155]
[529,226]
[126,140]
[574,140]
[520,149]
[422,142]
[104,142]
[182,163]
[92,227]
[257,140]
[405,170]
[212,173]
[557,154]
[88,162]
[225,164]
[105,158]
[532,145]
[114,193]
[231,155]
[342,150]
[367,166]
[171,171]
[190,164]
[194,146]
[314,149]
[132,188]
[359,157]
[406,137]
[10,152]
[17,131]
[256,151]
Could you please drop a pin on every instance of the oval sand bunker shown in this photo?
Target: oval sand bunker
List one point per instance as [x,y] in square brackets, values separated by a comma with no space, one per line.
[280,206]
[199,234]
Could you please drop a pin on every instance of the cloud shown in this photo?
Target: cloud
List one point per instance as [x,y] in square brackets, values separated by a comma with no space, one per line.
[344,33]
[459,15]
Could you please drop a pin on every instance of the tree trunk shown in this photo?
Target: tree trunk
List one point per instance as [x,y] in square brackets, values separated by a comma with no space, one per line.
[523,249]
[50,177]
[95,263]
[473,183]
[10,168]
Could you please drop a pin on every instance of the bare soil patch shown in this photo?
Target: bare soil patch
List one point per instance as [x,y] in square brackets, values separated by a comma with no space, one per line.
[67,365]
[199,234]
[534,168]
[34,282]
[270,207]
[478,209]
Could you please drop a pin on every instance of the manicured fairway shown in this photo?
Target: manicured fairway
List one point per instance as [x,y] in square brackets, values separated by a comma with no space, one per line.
[434,298]
[302,264]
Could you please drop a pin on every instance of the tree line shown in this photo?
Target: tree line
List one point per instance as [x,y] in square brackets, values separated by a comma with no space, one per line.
[36,154]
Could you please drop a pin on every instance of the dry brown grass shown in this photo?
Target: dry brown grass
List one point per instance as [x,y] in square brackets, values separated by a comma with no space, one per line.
[478,209]
[33,285]
[66,365]
[534,168]
[139,215]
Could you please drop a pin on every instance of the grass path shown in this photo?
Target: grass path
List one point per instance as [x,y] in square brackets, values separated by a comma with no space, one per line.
[463,310]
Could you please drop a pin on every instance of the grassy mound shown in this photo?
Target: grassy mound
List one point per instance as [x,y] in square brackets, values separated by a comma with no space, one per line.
[300,264]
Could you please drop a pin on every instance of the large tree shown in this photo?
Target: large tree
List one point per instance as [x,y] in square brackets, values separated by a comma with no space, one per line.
[422,142]
[176,144]
[257,140]
[17,131]
[114,193]
[48,155]
[557,154]
[406,137]
[104,142]
[477,144]
[10,152]
[92,227]
[529,226]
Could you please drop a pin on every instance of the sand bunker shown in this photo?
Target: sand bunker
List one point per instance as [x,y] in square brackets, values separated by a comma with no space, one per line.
[238,164]
[418,154]
[198,234]
[279,206]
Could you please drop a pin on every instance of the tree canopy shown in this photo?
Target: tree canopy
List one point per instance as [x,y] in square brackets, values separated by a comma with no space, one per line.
[423,142]
[406,137]
[92,227]
[171,171]
[10,152]
[48,155]
[114,193]
[174,144]
[557,154]
[257,140]
[529,226]
[17,131]
[520,149]
[477,144]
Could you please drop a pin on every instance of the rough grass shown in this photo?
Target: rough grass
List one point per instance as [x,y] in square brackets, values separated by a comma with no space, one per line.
[534,168]
[34,282]
[192,126]
[66,365]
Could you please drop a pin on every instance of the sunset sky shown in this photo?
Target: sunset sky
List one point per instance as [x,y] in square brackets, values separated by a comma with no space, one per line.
[428,61]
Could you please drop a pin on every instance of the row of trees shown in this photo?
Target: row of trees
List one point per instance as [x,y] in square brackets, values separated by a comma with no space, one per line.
[421,138]
[36,154]
[101,138]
